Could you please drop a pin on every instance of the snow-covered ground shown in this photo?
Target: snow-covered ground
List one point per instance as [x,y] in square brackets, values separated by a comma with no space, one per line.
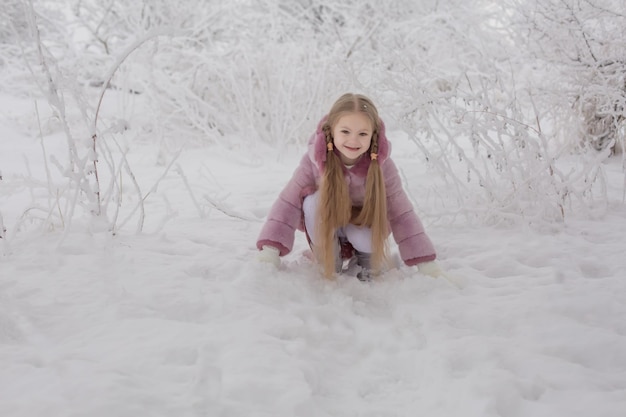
[181,320]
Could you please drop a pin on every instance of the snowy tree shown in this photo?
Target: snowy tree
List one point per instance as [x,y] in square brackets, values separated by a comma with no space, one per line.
[584,41]
[492,94]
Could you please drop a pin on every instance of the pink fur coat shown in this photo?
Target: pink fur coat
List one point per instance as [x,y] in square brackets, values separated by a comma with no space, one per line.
[285,216]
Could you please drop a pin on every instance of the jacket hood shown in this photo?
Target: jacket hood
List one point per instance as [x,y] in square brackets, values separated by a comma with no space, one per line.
[317,149]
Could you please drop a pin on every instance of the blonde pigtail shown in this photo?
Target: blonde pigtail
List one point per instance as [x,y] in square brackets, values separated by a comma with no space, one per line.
[374,211]
[334,206]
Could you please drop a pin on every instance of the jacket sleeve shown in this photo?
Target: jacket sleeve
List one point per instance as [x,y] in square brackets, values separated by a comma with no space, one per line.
[408,232]
[285,216]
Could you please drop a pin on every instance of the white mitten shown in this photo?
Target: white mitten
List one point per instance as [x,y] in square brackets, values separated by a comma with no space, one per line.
[430,268]
[270,255]
[433,269]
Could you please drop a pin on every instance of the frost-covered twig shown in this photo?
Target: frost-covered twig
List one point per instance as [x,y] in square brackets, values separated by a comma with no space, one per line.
[152,189]
[107,80]
[140,203]
[180,172]
[57,102]
[228,211]
[120,59]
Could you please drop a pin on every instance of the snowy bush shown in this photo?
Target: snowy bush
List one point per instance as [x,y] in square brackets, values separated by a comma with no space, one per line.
[73,82]
[497,96]
[585,44]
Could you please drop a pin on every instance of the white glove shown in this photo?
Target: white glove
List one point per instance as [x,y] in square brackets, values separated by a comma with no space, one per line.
[270,255]
[430,268]
[433,269]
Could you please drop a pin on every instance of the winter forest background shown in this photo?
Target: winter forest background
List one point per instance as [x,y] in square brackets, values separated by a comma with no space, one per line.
[516,104]
[143,142]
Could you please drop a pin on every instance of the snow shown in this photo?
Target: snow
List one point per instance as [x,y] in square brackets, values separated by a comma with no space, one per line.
[182,320]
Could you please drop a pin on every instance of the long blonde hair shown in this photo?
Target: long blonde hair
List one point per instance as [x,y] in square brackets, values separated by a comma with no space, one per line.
[335,207]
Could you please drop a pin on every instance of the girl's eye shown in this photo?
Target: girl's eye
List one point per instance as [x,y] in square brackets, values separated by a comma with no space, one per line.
[363,134]
[345,132]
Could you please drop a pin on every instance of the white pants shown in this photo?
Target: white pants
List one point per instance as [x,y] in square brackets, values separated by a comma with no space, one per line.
[359,237]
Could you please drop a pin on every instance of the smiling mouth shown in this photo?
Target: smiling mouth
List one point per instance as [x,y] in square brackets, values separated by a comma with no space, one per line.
[350,148]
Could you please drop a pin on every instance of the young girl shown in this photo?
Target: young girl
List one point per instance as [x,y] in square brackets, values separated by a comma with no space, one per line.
[345,195]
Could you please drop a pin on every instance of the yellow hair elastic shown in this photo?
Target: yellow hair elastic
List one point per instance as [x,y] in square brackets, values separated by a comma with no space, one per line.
[374,156]
[329,146]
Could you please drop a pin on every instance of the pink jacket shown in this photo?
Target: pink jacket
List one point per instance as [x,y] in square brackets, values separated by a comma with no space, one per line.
[286,214]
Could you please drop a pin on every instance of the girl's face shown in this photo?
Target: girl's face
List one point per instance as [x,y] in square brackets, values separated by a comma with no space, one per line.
[352,136]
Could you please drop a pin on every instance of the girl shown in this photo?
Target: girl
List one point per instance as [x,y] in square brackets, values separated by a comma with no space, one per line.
[345,195]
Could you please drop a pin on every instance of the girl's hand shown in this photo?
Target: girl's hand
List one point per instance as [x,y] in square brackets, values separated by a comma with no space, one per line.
[433,269]
[270,255]
[430,268]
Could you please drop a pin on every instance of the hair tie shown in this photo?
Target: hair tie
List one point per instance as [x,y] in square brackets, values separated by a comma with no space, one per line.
[374,156]
[329,146]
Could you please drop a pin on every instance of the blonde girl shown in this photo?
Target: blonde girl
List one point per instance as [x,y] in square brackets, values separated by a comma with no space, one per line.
[347,196]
